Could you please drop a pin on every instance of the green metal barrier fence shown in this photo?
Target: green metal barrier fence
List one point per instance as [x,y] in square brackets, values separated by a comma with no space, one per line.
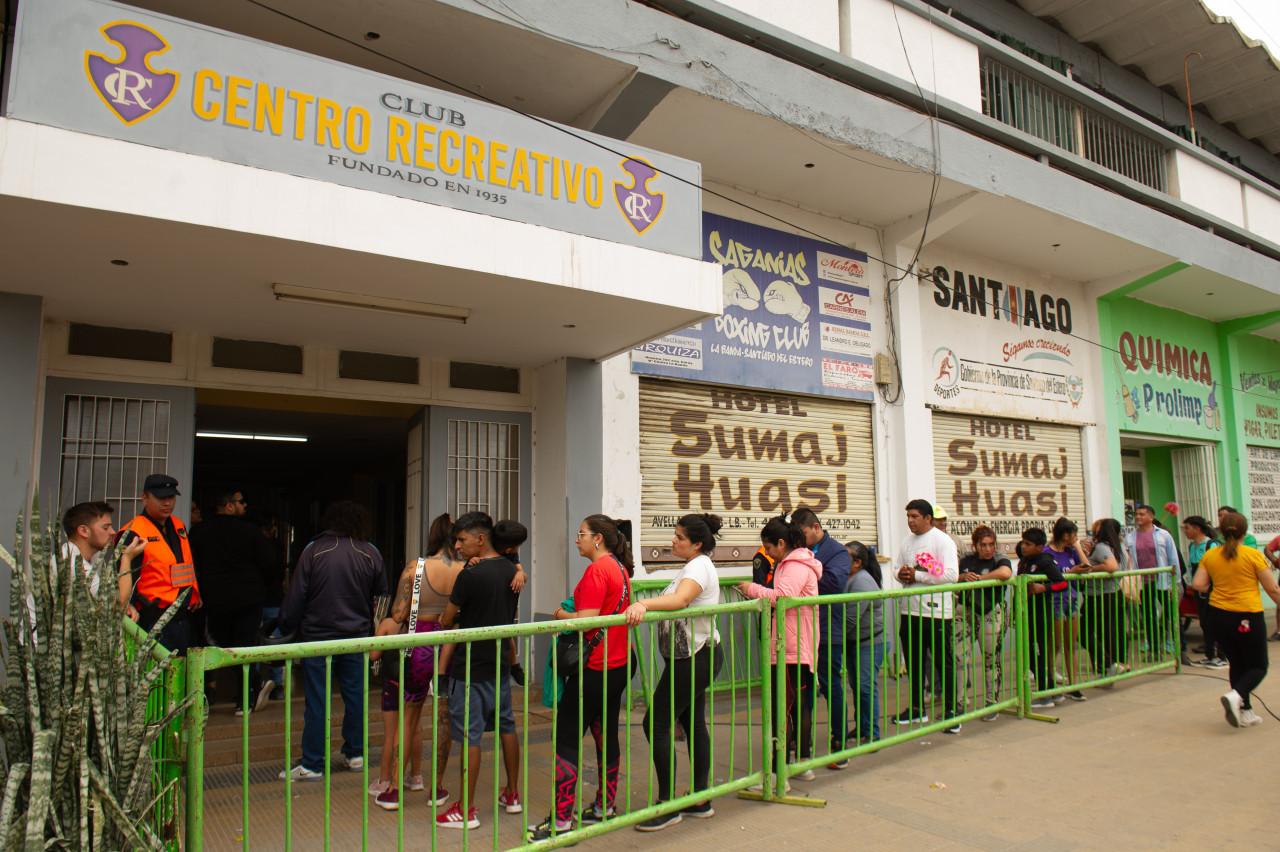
[166,754]
[738,751]
[1106,627]
[915,676]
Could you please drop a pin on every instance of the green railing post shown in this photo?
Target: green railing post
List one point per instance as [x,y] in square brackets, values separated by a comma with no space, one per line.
[194,725]
[1022,643]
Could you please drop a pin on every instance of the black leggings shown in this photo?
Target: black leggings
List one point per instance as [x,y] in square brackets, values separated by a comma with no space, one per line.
[1242,636]
[1102,623]
[1040,623]
[684,683]
[798,718]
[601,703]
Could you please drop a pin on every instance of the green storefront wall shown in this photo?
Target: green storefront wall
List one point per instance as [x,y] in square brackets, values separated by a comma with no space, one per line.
[1179,376]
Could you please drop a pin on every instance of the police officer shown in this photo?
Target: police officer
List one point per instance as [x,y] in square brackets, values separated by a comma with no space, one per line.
[165,567]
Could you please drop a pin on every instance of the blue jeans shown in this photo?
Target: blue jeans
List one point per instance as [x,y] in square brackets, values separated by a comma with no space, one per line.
[277,671]
[348,676]
[830,657]
[870,657]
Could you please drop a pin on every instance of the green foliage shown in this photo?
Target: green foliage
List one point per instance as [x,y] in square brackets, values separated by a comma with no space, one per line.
[80,710]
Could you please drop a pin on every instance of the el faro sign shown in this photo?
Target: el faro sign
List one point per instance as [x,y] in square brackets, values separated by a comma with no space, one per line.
[119,72]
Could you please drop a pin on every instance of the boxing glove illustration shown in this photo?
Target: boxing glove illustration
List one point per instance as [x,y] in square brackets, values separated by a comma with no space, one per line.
[781,297]
[740,291]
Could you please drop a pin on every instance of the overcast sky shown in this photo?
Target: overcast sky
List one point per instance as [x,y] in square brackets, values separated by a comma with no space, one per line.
[1257,18]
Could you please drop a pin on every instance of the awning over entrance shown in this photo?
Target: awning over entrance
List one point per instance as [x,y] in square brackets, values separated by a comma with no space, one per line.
[206,241]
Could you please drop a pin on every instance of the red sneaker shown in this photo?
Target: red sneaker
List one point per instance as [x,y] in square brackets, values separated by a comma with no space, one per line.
[388,800]
[510,801]
[453,818]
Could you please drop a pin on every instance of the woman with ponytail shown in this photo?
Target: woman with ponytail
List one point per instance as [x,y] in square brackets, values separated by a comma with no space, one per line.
[691,649]
[795,576]
[605,589]
[1231,574]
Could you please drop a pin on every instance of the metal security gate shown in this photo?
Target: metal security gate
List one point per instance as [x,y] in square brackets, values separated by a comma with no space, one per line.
[748,455]
[101,440]
[1195,483]
[1007,474]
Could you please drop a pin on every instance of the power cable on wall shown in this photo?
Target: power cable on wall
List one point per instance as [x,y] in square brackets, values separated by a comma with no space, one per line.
[568,131]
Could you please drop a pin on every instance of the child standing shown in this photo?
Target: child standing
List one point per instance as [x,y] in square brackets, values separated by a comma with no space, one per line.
[1034,560]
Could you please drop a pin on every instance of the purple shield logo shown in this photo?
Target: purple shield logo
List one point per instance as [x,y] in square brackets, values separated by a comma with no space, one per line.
[129,86]
[640,206]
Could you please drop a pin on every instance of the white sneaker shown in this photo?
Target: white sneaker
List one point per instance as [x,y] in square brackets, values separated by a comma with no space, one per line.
[807,775]
[1232,704]
[1249,719]
[759,788]
[301,773]
[353,764]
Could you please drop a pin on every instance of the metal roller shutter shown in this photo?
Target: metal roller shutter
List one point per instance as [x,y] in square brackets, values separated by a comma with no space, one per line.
[1007,474]
[748,455]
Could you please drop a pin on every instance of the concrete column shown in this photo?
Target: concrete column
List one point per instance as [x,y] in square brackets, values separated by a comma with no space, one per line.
[907,472]
[20,388]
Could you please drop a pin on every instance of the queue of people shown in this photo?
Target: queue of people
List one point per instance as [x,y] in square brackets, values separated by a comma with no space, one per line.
[472,578]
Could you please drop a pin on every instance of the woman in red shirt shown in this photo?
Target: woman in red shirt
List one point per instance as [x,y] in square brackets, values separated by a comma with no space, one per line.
[605,589]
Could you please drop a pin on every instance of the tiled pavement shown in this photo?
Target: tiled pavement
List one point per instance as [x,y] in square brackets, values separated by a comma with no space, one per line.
[1149,765]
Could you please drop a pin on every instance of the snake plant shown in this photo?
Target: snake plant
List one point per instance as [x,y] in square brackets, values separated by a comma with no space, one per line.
[79,756]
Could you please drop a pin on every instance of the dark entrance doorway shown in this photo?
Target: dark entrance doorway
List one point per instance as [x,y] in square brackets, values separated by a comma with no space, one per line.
[293,456]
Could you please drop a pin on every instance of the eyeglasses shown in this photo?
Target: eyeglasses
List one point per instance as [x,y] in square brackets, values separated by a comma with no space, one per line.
[587,534]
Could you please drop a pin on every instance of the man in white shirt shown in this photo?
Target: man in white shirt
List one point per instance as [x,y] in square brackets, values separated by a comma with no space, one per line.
[89,529]
[925,626]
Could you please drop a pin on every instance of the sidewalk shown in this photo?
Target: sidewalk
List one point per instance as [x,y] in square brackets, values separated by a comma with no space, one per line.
[1148,765]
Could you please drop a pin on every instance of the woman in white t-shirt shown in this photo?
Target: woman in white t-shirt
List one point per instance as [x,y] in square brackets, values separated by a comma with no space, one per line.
[691,647]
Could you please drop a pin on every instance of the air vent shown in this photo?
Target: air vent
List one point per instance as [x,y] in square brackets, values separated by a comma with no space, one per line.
[484,377]
[257,355]
[1133,454]
[375,367]
[128,344]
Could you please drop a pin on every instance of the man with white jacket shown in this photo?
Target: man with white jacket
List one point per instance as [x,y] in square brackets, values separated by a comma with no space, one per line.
[927,557]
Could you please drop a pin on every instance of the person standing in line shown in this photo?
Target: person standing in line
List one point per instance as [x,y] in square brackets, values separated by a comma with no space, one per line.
[89,530]
[691,650]
[1102,605]
[234,560]
[926,620]
[979,614]
[1231,574]
[422,594]
[1066,552]
[1272,554]
[331,596]
[479,675]
[600,677]
[796,575]
[1203,538]
[864,642]
[165,569]
[940,521]
[1249,539]
[835,573]
[1032,559]
[1150,546]
[275,581]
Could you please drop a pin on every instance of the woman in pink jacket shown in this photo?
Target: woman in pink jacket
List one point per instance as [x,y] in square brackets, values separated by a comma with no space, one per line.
[796,576]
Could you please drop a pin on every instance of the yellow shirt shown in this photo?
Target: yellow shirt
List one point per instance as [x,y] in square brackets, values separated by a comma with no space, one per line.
[1235,581]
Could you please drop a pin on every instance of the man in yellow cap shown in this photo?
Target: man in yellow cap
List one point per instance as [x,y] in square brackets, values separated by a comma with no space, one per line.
[940,522]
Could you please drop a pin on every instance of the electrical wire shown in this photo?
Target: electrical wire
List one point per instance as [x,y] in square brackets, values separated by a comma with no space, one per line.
[1253,696]
[569,131]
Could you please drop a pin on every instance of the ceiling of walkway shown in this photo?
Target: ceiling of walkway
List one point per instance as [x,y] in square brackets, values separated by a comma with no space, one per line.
[1236,80]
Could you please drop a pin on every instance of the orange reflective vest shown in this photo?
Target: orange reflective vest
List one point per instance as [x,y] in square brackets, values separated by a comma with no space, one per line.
[162,577]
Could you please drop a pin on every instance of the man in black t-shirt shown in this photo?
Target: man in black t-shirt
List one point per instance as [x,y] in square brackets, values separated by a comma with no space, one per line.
[482,597]
[1033,560]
